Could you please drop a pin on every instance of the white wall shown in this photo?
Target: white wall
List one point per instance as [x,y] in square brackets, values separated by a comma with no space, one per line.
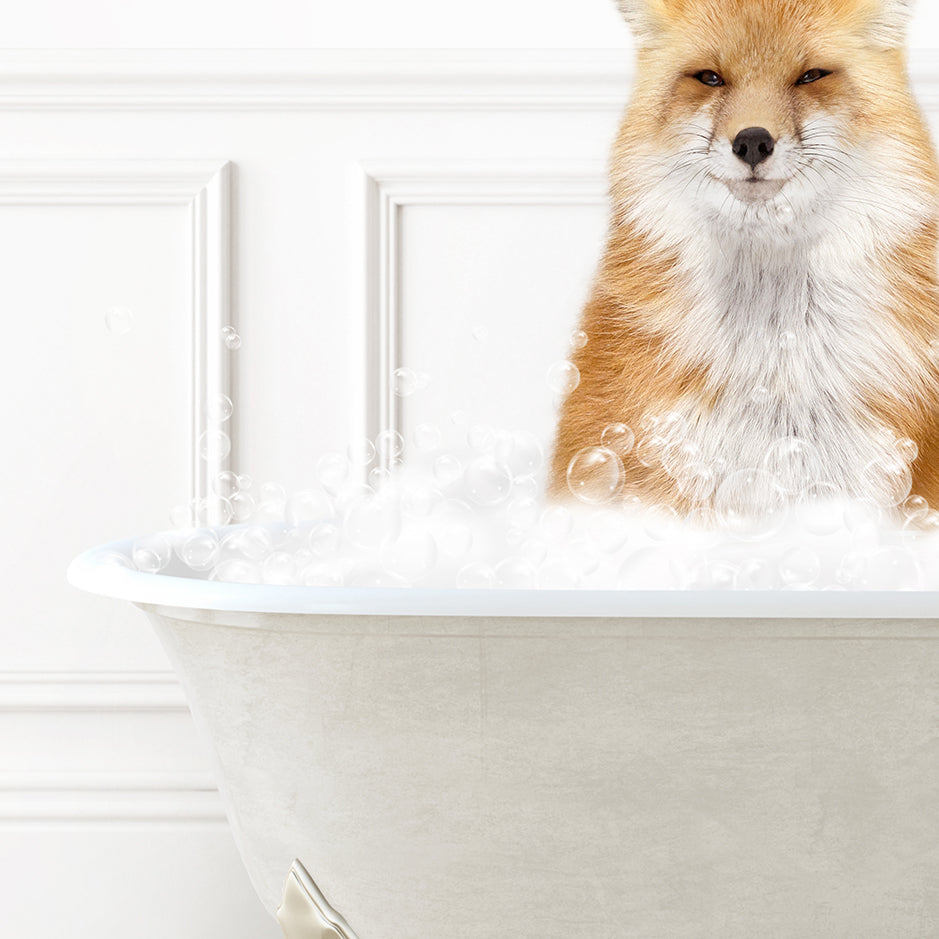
[349,24]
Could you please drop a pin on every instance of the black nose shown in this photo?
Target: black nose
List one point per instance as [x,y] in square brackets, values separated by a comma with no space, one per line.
[754,145]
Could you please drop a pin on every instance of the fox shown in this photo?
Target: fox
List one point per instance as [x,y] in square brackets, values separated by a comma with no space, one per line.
[766,307]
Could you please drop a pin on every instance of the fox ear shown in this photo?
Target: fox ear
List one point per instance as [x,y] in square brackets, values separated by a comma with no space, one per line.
[641,17]
[890,20]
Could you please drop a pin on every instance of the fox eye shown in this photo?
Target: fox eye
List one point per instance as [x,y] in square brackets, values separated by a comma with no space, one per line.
[812,75]
[707,77]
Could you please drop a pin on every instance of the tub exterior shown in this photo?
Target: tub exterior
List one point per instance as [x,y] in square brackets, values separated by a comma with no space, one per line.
[447,777]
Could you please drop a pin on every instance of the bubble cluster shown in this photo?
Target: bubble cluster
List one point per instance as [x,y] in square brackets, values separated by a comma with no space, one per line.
[230,338]
[464,508]
[119,321]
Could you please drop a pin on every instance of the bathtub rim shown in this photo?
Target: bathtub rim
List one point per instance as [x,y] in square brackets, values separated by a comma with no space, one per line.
[90,572]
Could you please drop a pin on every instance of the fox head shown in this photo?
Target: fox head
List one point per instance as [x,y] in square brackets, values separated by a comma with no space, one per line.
[757,114]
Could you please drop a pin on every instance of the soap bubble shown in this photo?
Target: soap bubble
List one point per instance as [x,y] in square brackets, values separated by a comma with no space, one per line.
[390,446]
[618,438]
[225,484]
[230,338]
[243,506]
[214,445]
[915,509]
[370,519]
[361,453]
[481,437]
[794,462]
[696,482]
[321,575]
[119,321]
[252,543]
[279,568]
[426,438]
[520,452]
[419,500]
[480,333]
[749,504]
[892,568]
[236,571]
[458,418]
[595,475]
[800,567]
[151,554]
[650,450]
[199,549]
[332,471]
[308,505]
[219,408]
[563,377]
[411,555]
[324,539]
[756,574]
[523,513]
[378,477]
[447,469]
[405,382]
[556,523]
[578,339]
[488,481]
[476,576]
[907,449]
[888,481]
[515,573]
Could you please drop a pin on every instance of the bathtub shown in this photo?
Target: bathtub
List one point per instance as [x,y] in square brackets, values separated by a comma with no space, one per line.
[416,764]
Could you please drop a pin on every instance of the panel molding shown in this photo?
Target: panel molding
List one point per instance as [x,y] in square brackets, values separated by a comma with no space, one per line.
[327,79]
[113,797]
[203,188]
[388,189]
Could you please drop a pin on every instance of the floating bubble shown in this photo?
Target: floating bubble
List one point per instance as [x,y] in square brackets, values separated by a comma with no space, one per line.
[618,438]
[447,469]
[756,574]
[244,481]
[488,481]
[243,506]
[361,453]
[419,500]
[279,568]
[520,452]
[749,504]
[888,481]
[595,475]
[515,573]
[308,505]
[696,482]
[252,543]
[406,382]
[915,509]
[219,408]
[476,576]
[371,519]
[379,477]
[225,484]
[119,321]
[230,338]
[481,437]
[151,554]
[325,539]
[426,438]
[237,571]
[800,567]
[563,377]
[907,449]
[794,462]
[199,550]
[214,445]
[578,339]
[651,449]
[332,471]
[390,446]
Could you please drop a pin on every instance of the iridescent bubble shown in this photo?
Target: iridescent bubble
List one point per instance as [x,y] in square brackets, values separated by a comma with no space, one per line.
[426,437]
[800,567]
[618,438]
[578,339]
[563,377]
[308,505]
[405,382]
[794,462]
[119,321]
[476,576]
[390,446]
[749,504]
[230,338]
[219,408]
[151,554]
[214,445]
[199,549]
[595,475]
[488,481]
[447,469]
[332,471]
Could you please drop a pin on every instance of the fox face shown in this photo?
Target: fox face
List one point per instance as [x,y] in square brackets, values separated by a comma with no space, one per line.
[761,114]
